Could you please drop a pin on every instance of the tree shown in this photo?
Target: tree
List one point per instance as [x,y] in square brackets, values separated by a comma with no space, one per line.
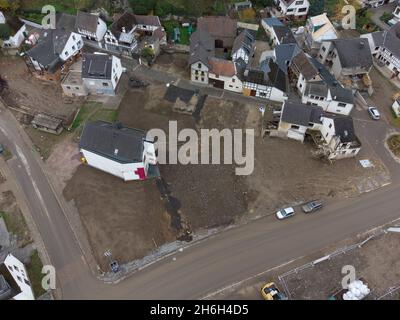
[148,54]
[10,5]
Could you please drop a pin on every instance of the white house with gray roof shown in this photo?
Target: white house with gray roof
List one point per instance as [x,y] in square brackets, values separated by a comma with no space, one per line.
[334,135]
[202,47]
[121,151]
[101,73]
[346,58]
[385,48]
[91,26]
[243,47]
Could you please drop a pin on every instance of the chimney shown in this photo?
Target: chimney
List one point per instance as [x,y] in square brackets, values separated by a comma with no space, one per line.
[123,29]
[362,44]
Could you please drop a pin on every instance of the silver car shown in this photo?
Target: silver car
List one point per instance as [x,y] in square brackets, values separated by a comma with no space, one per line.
[374,113]
[312,206]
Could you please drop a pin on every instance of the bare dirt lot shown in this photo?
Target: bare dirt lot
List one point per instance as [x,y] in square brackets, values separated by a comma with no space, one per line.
[176,64]
[377,262]
[31,94]
[129,218]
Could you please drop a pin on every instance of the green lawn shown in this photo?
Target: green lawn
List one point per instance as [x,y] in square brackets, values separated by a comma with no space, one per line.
[34,268]
[169,28]
[92,111]
[16,225]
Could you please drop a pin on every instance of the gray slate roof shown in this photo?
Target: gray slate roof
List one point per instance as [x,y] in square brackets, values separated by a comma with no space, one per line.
[354,53]
[202,47]
[284,34]
[86,21]
[113,141]
[284,54]
[47,51]
[96,66]
[65,22]
[344,128]
[301,114]
[273,22]
[244,40]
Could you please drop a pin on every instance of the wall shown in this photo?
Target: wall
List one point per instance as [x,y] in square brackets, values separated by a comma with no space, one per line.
[203,68]
[230,83]
[123,171]
[101,29]
[72,46]
[116,71]
[20,276]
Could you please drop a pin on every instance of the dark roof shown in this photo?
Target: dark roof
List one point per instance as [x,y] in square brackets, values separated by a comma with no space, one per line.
[273,22]
[47,51]
[354,53]
[301,114]
[316,88]
[344,128]
[127,20]
[304,65]
[388,39]
[202,47]
[277,77]
[173,93]
[96,66]
[218,26]
[65,22]
[5,289]
[113,141]
[341,94]
[268,75]
[244,40]
[148,20]
[86,21]
[326,76]
[284,34]
[284,54]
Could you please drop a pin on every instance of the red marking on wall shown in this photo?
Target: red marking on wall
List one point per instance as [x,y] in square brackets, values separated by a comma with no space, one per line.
[141,173]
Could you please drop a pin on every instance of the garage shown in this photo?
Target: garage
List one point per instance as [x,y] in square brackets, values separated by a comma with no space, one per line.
[217,83]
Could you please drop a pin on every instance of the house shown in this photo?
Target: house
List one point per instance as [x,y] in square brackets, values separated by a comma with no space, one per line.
[347,58]
[269,82]
[297,119]
[13,32]
[242,5]
[396,16]
[337,137]
[121,151]
[334,135]
[14,280]
[333,99]
[223,74]
[268,23]
[91,26]
[293,9]
[385,48]
[318,29]
[101,73]
[374,3]
[202,47]
[55,50]
[222,29]
[120,37]
[281,35]
[284,54]
[73,85]
[243,47]
[148,24]
[301,71]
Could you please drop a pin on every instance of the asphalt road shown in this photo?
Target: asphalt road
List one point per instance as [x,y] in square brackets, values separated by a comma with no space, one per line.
[204,267]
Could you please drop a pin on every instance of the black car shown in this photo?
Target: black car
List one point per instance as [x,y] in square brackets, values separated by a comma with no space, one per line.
[312,206]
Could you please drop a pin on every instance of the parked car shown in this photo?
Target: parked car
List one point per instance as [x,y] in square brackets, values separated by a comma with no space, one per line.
[271,292]
[374,113]
[285,213]
[312,206]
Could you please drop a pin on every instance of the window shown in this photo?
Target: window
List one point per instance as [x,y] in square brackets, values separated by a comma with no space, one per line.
[68,87]
[16,268]
[105,84]
[340,104]
[196,72]
[77,88]
[302,10]
[199,65]
[73,38]
[73,48]
[19,278]
[233,80]
[299,3]
[197,78]
[330,125]
[293,126]
[354,151]
[202,73]
[202,79]
[326,134]
[66,53]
